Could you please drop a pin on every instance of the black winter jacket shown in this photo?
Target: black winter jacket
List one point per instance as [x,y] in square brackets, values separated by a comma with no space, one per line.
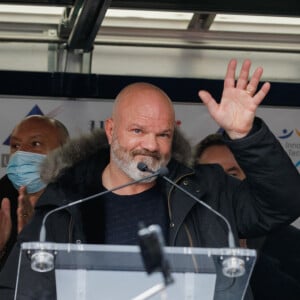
[255,206]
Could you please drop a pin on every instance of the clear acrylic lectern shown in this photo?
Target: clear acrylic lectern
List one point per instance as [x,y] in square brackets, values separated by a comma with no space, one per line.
[107,272]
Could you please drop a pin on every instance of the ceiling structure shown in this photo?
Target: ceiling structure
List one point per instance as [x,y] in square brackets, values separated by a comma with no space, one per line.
[78,25]
[72,29]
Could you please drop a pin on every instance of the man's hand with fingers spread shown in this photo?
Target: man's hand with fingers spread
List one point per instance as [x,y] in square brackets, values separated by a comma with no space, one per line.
[236,111]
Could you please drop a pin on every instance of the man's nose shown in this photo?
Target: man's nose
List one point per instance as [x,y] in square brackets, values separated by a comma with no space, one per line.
[150,142]
[24,147]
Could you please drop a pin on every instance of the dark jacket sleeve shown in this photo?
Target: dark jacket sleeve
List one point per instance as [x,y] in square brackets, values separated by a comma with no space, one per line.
[28,277]
[269,196]
[7,190]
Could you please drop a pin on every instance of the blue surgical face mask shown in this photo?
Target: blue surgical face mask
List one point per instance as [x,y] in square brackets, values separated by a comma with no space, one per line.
[23,169]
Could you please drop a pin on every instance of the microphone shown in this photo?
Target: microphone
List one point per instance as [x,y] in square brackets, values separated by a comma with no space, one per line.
[152,244]
[42,260]
[232,266]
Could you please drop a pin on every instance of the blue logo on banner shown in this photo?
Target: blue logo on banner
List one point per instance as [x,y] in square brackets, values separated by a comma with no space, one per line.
[34,111]
[285,134]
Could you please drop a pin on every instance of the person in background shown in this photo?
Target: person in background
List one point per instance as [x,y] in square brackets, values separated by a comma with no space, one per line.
[141,130]
[30,141]
[277,271]
[213,150]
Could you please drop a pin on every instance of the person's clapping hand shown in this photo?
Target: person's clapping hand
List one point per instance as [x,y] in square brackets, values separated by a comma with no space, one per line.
[5,223]
[25,208]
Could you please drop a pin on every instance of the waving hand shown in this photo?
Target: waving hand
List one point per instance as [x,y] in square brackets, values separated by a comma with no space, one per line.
[240,99]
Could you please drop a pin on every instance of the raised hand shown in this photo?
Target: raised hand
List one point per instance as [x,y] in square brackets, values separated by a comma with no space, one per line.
[5,223]
[236,111]
[25,208]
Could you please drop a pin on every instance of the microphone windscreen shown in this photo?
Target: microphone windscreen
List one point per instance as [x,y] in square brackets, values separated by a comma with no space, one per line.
[142,166]
[163,171]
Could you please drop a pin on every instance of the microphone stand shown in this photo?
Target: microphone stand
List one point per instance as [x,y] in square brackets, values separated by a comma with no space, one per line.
[42,260]
[158,288]
[232,266]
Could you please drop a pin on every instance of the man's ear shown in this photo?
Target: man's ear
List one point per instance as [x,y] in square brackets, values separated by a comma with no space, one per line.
[109,124]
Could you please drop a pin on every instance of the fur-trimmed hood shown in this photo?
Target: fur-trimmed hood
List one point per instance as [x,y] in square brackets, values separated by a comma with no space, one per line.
[78,149]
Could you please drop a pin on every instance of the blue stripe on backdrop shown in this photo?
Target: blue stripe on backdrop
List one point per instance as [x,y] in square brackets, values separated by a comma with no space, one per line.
[107,86]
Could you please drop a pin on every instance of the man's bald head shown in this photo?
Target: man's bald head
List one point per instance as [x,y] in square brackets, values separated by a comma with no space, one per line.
[142,94]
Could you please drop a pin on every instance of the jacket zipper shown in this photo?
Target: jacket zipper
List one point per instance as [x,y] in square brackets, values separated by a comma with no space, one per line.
[170,213]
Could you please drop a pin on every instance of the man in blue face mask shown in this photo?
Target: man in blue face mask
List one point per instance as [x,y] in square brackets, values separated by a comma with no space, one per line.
[30,141]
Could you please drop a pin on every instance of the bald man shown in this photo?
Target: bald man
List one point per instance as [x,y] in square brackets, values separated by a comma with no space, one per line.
[36,136]
[141,129]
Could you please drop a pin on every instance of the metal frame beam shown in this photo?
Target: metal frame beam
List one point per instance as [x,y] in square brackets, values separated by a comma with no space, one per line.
[235,41]
[86,26]
[289,8]
[40,2]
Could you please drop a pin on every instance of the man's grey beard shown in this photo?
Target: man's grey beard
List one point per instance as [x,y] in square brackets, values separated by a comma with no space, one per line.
[125,161]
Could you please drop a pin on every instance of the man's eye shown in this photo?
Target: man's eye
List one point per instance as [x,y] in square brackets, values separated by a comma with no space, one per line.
[36,144]
[14,146]
[136,130]
[165,135]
